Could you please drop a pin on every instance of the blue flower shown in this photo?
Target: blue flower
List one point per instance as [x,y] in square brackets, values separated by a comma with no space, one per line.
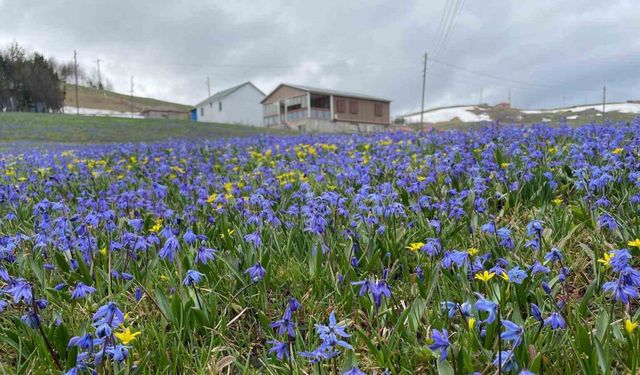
[607,222]
[456,257]
[534,228]
[554,255]
[204,255]
[432,247]
[81,291]
[189,237]
[620,259]
[254,239]
[504,234]
[538,267]
[31,319]
[294,304]
[193,277]
[536,313]
[320,353]
[621,291]
[170,248]
[109,314]
[256,272]
[354,371]
[516,275]
[332,333]
[20,291]
[440,342]
[285,324]
[365,285]
[513,332]
[379,290]
[507,359]
[451,306]
[119,353]
[555,320]
[281,349]
[488,306]
[83,342]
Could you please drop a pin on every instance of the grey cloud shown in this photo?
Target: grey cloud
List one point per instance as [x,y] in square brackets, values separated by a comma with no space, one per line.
[561,49]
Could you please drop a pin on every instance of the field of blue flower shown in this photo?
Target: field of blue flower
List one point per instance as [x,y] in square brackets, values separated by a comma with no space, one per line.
[508,250]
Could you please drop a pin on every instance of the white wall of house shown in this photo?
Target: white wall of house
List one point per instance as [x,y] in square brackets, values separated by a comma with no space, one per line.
[240,107]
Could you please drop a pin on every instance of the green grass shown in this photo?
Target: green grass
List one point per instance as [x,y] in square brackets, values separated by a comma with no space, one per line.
[31,127]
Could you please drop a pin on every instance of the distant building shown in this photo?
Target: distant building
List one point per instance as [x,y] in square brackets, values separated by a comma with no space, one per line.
[315,109]
[163,111]
[236,105]
[503,105]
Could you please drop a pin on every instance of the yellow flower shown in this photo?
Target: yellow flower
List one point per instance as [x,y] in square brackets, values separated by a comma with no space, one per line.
[485,276]
[103,251]
[471,323]
[505,276]
[415,246]
[557,201]
[421,178]
[229,233]
[504,165]
[157,226]
[634,243]
[212,198]
[127,336]
[617,151]
[629,326]
[472,251]
[606,258]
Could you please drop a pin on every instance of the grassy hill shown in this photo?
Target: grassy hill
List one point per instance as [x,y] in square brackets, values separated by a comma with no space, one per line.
[113,101]
[48,128]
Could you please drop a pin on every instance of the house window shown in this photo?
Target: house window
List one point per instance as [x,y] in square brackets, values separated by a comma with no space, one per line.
[340,107]
[201,111]
[377,108]
[220,106]
[353,107]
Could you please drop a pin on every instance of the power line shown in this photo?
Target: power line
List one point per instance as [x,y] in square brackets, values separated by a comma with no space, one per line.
[523,83]
[452,25]
[441,27]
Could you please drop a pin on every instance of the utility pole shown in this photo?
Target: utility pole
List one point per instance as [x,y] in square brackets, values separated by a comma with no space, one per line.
[564,105]
[131,97]
[481,94]
[208,88]
[509,98]
[75,70]
[604,102]
[424,82]
[99,78]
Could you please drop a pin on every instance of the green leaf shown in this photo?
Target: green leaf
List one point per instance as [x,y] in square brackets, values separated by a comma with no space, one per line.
[163,303]
[602,324]
[603,362]
[444,368]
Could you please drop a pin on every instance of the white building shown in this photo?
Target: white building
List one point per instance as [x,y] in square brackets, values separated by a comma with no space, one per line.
[236,105]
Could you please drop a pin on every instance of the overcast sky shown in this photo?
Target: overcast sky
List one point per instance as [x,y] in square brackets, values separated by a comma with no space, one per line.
[548,52]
